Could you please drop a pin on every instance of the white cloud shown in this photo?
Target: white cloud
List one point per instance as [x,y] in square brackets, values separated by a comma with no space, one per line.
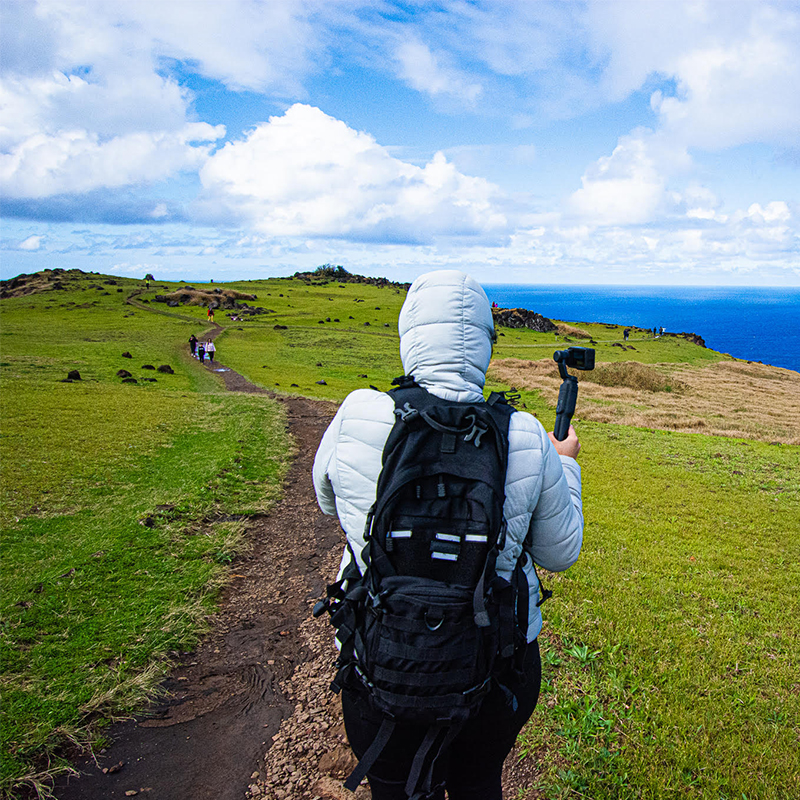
[31,243]
[425,72]
[735,95]
[308,174]
[624,188]
[243,43]
[77,161]
[96,106]
[776,211]
[736,65]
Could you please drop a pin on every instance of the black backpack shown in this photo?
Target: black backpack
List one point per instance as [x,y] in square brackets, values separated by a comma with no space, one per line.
[430,626]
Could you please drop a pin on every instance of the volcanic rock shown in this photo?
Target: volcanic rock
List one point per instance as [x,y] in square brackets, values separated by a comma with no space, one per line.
[522,318]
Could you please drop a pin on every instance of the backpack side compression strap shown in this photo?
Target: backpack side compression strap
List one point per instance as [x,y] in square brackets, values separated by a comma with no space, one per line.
[373,751]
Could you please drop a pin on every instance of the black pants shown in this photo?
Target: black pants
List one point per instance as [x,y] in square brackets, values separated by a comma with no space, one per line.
[474,767]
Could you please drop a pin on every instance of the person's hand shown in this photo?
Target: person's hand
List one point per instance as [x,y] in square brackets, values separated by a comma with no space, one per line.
[570,446]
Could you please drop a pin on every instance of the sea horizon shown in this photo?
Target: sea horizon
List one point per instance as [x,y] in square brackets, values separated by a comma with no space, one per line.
[752,323]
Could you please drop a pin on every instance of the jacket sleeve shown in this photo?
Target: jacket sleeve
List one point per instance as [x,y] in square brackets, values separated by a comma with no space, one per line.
[322,462]
[556,529]
[349,460]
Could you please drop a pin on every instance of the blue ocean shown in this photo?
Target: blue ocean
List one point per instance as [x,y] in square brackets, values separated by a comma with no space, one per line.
[752,323]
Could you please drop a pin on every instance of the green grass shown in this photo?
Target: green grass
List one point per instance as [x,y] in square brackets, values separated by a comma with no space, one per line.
[523,343]
[671,649]
[321,342]
[685,595]
[117,505]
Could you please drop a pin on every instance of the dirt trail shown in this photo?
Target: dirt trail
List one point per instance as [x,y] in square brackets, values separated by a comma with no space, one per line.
[249,714]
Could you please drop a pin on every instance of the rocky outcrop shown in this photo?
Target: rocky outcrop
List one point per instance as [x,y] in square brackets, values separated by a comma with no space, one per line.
[328,273]
[522,318]
[243,310]
[690,337]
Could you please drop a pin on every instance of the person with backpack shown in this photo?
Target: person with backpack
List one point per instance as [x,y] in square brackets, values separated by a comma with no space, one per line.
[447,500]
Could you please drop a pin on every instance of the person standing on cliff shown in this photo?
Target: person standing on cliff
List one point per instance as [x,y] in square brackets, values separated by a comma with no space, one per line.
[446,339]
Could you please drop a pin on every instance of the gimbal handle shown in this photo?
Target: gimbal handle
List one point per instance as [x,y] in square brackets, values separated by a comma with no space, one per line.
[567,397]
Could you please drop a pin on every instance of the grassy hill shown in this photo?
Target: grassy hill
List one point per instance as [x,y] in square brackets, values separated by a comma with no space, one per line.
[671,648]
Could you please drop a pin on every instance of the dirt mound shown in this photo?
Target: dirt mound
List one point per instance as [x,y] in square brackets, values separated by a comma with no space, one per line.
[570,330]
[46,281]
[213,298]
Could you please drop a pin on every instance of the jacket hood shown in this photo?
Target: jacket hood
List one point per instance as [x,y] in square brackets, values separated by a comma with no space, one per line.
[446,333]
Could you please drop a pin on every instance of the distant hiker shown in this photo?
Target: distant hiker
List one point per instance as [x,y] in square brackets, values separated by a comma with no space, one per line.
[192,344]
[626,333]
[201,352]
[655,331]
[210,314]
[425,530]
[210,350]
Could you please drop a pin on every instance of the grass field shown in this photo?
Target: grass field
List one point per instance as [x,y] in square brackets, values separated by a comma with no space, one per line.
[114,496]
[671,648]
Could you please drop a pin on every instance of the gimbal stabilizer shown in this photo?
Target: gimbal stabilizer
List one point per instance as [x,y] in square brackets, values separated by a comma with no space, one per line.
[579,358]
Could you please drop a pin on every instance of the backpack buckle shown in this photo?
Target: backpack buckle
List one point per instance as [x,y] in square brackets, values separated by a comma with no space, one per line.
[407,412]
[478,429]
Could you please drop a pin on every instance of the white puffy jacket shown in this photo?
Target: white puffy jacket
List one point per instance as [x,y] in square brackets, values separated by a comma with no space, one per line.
[446,333]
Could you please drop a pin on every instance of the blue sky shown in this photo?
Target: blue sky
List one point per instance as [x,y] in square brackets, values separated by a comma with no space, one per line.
[527,141]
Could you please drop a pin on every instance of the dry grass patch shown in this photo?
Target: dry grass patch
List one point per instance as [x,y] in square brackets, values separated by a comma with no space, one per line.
[632,375]
[730,398]
[570,330]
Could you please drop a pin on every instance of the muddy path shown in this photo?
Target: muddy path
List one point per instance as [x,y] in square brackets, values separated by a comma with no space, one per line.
[248,715]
